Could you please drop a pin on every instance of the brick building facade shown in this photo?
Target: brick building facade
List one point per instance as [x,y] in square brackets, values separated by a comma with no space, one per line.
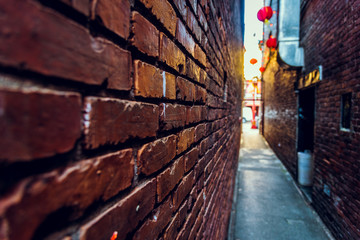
[119,116]
[327,90]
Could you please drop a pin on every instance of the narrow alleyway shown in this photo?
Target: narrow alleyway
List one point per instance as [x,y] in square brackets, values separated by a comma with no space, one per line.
[268,205]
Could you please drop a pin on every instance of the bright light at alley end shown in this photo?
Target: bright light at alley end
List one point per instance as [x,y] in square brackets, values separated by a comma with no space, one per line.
[253,61]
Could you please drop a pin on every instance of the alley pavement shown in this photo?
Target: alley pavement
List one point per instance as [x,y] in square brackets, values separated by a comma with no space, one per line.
[267,204]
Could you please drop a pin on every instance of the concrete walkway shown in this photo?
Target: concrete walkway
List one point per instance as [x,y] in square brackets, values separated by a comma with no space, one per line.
[268,205]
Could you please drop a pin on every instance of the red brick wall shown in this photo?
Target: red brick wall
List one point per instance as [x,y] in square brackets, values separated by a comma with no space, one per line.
[280,111]
[118,116]
[329,34]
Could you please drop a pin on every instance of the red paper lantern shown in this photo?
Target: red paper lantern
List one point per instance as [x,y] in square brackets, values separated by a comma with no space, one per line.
[262,69]
[253,61]
[265,13]
[271,42]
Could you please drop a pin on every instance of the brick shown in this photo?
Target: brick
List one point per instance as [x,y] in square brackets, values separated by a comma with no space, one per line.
[76,186]
[202,19]
[203,77]
[184,37]
[153,156]
[193,24]
[148,80]
[112,121]
[200,132]
[181,6]
[172,116]
[146,36]
[198,173]
[212,101]
[185,139]
[191,158]
[193,4]
[179,218]
[115,15]
[132,209]
[169,85]
[185,231]
[214,88]
[38,123]
[82,6]
[156,223]
[59,47]
[197,224]
[185,90]
[193,114]
[164,12]
[200,94]
[171,54]
[200,55]
[192,70]
[183,189]
[167,180]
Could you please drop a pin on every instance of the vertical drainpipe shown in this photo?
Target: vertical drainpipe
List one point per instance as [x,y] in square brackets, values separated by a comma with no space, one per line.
[289,33]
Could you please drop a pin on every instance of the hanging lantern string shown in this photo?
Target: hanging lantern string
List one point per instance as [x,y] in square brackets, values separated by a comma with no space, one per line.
[264,14]
[253,61]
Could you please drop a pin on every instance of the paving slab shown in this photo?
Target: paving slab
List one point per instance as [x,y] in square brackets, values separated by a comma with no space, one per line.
[267,203]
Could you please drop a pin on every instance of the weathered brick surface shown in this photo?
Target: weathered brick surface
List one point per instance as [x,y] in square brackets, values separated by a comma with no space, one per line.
[112,121]
[184,37]
[169,85]
[156,223]
[185,139]
[98,178]
[183,189]
[167,180]
[148,80]
[172,230]
[115,15]
[146,36]
[164,12]
[171,54]
[281,113]
[172,116]
[58,47]
[133,208]
[112,118]
[192,70]
[193,114]
[191,158]
[82,6]
[336,152]
[153,156]
[185,90]
[32,123]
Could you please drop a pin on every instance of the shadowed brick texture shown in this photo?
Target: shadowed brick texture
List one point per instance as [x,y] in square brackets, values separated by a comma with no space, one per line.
[59,47]
[110,121]
[133,208]
[113,118]
[146,36]
[281,113]
[153,156]
[114,15]
[95,179]
[171,54]
[33,123]
[172,116]
[148,80]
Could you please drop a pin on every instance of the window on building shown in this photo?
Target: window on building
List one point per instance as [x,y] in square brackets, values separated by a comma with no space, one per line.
[346,111]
